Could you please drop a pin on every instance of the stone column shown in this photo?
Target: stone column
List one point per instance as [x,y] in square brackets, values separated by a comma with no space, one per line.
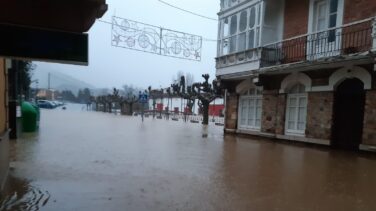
[369,124]
[231,117]
[320,115]
[281,114]
[269,111]
[374,34]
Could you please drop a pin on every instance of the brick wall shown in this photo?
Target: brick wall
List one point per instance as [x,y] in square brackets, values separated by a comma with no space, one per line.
[319,115]
[297,12]
[296,18]
[231,117]
[359,9]
[369,127]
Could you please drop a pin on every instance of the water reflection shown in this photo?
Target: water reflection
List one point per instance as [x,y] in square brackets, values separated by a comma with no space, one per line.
[98,161]
[20,195]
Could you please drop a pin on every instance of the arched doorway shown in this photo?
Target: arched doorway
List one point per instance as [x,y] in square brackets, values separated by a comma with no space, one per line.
[349,100]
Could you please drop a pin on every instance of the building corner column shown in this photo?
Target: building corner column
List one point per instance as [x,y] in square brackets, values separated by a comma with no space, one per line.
[374,34]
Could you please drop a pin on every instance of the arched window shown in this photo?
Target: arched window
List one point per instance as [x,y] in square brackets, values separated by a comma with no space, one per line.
[296,112]
[250,109]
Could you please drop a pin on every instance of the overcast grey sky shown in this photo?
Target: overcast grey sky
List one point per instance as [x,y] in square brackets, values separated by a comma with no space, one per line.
[113,67]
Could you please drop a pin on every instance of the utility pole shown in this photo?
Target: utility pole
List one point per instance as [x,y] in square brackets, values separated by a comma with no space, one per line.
[49,81]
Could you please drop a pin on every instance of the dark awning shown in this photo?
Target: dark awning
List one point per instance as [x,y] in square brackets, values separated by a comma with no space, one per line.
[48,30]
[64,15]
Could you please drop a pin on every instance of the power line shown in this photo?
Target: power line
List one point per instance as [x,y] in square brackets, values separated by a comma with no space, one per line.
[187,11]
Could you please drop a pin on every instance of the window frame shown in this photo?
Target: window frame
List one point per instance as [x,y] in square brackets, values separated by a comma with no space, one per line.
[223,38]
[298,97]
[255,95]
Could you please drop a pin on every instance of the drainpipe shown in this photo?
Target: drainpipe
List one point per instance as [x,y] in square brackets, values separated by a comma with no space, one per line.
[374,39]
[374,34]
[225,110]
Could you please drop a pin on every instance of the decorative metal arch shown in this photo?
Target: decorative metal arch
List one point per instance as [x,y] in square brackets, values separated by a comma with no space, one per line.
[152,39]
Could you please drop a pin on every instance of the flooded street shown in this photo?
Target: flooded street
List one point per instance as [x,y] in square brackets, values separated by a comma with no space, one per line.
[83,160]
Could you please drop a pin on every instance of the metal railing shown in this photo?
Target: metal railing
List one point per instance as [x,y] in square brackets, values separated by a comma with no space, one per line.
[345,40]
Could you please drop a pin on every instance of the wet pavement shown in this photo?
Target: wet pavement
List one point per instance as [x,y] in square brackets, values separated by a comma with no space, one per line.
[95,161]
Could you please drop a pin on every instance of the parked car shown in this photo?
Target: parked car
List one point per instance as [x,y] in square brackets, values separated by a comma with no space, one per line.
[46,104]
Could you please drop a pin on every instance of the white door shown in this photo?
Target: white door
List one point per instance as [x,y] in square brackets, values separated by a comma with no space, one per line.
[323,42]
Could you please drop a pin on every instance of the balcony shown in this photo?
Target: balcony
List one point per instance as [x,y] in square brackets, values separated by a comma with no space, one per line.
[347,40]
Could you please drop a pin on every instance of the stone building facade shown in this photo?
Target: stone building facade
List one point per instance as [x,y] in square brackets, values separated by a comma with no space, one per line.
[4,140]
[300,70]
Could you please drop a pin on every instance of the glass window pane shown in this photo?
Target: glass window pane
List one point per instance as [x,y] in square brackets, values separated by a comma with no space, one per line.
[226,28]
[234,24]
[302,114]
[232,44]
[291,125]
[333,21]
[292,114]
[258,113]
[333,6]
[243,21]
[303,102]
[258,123]
[251,39]
[301,125]
[259,14]
[259,102]
[252,17]
[321,10]
[225,46]
[251,110]
[292,102]
[242,41]
[243,113]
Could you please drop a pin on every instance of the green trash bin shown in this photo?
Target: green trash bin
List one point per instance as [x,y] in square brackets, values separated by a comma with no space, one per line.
[29,117]
[38,114]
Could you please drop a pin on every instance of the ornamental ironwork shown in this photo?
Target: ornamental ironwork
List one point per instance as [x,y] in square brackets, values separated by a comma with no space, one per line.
[152,39]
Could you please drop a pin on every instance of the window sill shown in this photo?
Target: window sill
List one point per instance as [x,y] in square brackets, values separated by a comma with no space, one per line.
[295,133]
[253,129]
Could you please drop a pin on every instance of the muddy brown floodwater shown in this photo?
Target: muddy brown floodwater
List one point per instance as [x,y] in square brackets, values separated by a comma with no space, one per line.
[95,161]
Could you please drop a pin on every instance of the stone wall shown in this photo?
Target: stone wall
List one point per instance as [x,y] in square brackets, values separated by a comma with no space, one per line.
[273,112]
[281,114]
[231,117]
[269,111]
[4,142]
[369,127]
[319,115]
[3,112]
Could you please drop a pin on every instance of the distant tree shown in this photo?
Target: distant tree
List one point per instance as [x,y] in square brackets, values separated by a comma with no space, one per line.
[176,78]
[84,96]
[25,69]
[68,95]
[204,92]
[189,79]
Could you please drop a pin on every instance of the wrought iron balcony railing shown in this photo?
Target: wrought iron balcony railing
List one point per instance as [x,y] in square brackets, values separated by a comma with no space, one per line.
[349,39]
